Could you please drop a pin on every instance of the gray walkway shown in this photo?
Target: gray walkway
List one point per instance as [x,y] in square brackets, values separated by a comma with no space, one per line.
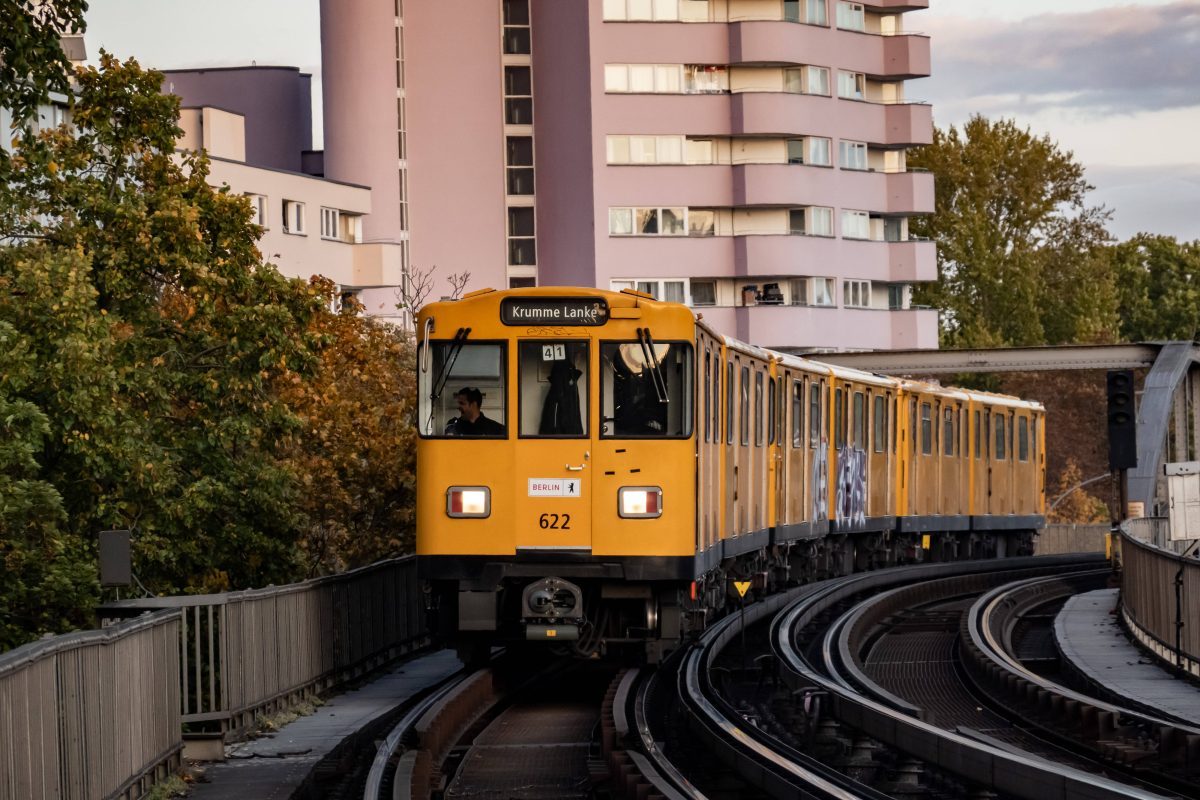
[1088,634]
[273,767]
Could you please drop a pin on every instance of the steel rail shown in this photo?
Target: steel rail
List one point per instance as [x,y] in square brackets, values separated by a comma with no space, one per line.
[1017,775]
[390,746]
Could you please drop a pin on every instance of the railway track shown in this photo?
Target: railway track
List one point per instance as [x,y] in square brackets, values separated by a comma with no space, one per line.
[819,721]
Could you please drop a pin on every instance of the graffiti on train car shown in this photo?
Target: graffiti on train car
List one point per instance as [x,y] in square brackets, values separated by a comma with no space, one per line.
[852,486]
[819,482]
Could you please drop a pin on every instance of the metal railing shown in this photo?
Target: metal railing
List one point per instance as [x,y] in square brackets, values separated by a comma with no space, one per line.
[1160,590]
[93,714]
[245,653]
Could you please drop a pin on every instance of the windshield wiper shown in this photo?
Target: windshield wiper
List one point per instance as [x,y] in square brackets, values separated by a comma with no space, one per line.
[440,378]
[656,376]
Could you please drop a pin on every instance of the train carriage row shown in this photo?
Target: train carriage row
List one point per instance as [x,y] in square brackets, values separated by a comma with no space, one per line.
[639,460]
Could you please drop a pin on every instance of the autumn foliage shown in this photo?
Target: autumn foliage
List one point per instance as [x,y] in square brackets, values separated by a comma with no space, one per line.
[157,376]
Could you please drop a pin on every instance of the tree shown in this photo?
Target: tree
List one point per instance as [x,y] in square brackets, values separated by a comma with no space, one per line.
[1020,253]
[32,62]
[355,447]
[1159,281]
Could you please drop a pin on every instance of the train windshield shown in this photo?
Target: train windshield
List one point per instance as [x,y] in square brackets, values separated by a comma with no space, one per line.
[462,389]
[554,388]
[646,389]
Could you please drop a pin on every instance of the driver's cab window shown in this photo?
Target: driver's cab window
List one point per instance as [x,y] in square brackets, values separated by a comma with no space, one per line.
[462,390]
[554,388]
[646,389]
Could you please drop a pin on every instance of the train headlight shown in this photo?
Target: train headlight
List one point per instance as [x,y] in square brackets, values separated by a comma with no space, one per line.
[468,501]
[639,502]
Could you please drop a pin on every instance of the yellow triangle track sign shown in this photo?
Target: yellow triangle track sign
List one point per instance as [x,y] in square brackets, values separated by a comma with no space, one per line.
[742,587]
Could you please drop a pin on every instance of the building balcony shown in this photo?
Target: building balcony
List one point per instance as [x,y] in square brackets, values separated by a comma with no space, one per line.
[705,114]
[661,256]
[766,42]
[786,114]
[891,262]
[798,185]
[812,327]
[892,6]
[375,264]
[667,185]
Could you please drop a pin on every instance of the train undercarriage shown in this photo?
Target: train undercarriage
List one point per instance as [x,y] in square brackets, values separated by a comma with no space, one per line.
[596,608]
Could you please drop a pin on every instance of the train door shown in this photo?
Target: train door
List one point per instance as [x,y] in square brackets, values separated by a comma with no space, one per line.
[794,448]
[818,451]
[1001,463]
[554,484]
[949,472]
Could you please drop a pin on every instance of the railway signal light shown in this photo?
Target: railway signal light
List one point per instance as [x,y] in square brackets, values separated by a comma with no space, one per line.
[1122,420]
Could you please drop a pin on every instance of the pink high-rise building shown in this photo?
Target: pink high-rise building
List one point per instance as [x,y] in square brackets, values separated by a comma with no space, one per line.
[744,156]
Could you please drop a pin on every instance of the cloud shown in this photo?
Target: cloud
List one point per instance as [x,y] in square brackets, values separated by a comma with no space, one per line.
[1160,199]
[1115,60]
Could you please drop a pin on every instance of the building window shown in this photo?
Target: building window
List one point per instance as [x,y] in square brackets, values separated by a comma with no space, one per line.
[819,221]
[293,217]
[706,79]
[522,248]
[799,292]
[522,283]
[816,81]
[655,10]
[851,16]
[810,12]
[645,149]
[516,27]
[897,296]
[856,294]
[647,221]
[852,155]
[670,290]
[852,85]
[856,225]
[700,151]
[258,209]
[702,222]
[519,151]
[704,293]
[330,223]
[520,180]
[644,78]
[813,150]
[821,293]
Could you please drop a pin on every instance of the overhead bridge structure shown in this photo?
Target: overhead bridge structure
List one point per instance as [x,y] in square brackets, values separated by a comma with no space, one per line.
[1168,416]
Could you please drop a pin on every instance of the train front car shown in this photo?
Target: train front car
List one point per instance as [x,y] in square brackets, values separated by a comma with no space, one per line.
[556,467]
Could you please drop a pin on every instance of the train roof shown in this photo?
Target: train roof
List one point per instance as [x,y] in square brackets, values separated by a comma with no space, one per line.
[629,299]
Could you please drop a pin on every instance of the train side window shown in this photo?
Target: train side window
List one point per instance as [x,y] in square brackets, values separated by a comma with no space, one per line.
[644,393]
[452,368]
[797,414]
[729,403]
[859,417]
[772,413]
[715,408]
[1012,428]
[978,436]
[881,427]
[1000,438]
[758,408]
[1023,439]
[926,429]
[814,414]
[912,423]
[553,397]
[895,411]
[744,415]
[839,419]
[948,433]
[707,395]
[1034,425]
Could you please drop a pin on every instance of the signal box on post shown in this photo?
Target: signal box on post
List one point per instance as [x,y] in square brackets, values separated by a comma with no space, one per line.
[1122,421]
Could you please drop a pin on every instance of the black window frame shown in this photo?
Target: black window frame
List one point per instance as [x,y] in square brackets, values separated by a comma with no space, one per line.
[688,393]
[927,426]
[730,372]
[507,389]
[744,406]
[586,410]
[759,422]
[879,423]
[999,428]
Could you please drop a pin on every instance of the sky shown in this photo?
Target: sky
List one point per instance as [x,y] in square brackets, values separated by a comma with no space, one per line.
[1113,81]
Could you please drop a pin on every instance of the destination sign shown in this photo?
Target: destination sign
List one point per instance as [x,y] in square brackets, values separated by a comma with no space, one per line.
[554,311]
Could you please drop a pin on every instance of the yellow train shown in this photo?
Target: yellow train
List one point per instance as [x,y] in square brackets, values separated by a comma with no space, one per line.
[596,468]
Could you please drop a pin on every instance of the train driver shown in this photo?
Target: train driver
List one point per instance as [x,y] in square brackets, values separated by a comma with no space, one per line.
[471,420]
